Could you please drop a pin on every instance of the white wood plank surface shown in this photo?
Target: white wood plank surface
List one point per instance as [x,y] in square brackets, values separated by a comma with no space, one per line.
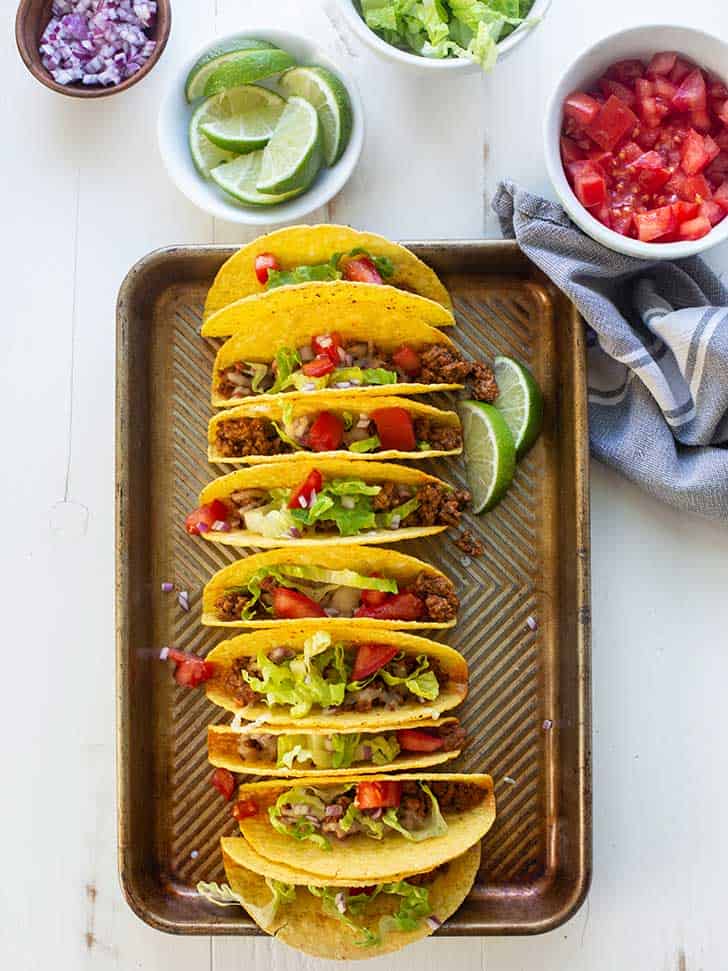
[85,194]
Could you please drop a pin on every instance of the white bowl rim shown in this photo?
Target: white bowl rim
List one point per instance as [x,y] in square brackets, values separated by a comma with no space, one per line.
[581,216]
[451,64]
[206,195]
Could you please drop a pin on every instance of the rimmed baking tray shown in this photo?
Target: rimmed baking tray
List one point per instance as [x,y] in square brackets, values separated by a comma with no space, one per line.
[524,624]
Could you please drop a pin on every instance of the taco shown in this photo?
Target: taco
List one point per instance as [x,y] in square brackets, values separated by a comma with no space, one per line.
[300,255]
[284,750]
[340,920]
[368,828]
[339,426]
[366,585]
[338,678]
[306,503]
[340,346]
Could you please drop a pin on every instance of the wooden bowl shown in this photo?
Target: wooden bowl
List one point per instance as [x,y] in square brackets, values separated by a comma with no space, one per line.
[30,22]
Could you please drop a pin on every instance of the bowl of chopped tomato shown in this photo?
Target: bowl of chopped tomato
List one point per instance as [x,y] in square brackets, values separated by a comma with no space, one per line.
[636,141]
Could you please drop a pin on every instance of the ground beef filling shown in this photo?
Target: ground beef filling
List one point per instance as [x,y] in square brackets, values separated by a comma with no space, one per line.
[440,437]
[453,737]
[457,797]
[259,748]
[470,544]
[443,365]
[237,437]
[438,506]
[438,596]
[236,684]
[423,879]
[231,605]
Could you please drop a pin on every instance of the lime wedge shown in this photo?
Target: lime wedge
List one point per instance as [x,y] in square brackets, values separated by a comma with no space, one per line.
[490,454]
[330,99]
[242,119]
[238,179]
[214,57]
[246,67]
[294,154]
[205,155]
[519,401]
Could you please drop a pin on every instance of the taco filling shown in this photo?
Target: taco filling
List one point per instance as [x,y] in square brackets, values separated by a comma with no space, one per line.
[295,591]
[344,751]
[343,505]
[358,266]
[378,430]
[330,361]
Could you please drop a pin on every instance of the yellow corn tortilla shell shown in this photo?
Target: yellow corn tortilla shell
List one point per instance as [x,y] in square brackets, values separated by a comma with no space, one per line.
[365,560]
[222,751]
[337,305]
[302,924]
[293,322]
[312,245]
[359,856]
[290,475]
[248,645]
[307,405]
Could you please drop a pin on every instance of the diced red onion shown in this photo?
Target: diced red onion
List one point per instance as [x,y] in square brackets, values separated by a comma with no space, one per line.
[366,752]
[331,612]
[183,599]
[164,654]
[167,587]
[297,809]
[363,421]
[302,502]
[312,819]
[394,522]
[203,528]
[97,41]
[220,526]
[334,811]
[355,381]
[312,499]
[194,854]
[348,502]
[343,384]
[340,901]
[309,386]
[433,922]
[547,724]
[295,532]
[376,813]
[509,781]
[278,654]
[342,353]
[531,623]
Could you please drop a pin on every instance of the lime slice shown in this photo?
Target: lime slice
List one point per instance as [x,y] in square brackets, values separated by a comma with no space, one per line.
[519,401]
[214,57]
[205,155]
[330,99]
[294,154]
[242,119]
[246,67]
[490,454]
[238,179]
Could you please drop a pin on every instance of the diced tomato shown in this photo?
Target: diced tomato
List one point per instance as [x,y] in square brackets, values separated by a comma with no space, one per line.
[397,606]
[693,156]
[601,158]
[293,605]
[224,781]
[327,345]
[655,223]
[629,152]
[619,90]
[264,263]
[651,172]
[326,433]
[721,196]
[652,111]
[201,520]
[711,147]
[647,138]
[717,90]
[694,188]
[612,123]
[685,210]
[691,94]
[664,89]
[712,211]
[418,740]
[370,658]
[570,151]
[407,359]
[373,598]
[590,189]
[581,107]
[722,113]
[695,228]
[394,428]
[621,222]
[661,63]
[718,168]
[643,88]
[312,483]
[626,71]
[190,670]
[360,269]
[245,808]
[700,119]
[320,366]
[378,794]
[680,70]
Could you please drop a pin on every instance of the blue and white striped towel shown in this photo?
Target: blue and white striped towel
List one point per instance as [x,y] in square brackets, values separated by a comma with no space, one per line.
[657,341]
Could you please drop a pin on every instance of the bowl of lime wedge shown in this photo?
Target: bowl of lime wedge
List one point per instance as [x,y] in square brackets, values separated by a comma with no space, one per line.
[260,127]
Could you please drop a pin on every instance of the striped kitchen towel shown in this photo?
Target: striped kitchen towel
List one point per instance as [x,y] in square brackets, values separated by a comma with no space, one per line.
[657,351]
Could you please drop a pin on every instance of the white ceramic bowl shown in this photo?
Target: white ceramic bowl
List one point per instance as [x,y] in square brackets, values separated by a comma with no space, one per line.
[442,66]
[174,119]
[642,42]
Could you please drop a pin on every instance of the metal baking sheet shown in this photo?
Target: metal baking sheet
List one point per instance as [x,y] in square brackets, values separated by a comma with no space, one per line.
[528,711]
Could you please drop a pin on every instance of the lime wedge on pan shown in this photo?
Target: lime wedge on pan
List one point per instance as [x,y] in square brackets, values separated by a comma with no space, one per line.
[245,67]
[294,154]
[330,99]
[205,155]
[490,453]
[214,57]
[238,179]
[242,119]
[519,401]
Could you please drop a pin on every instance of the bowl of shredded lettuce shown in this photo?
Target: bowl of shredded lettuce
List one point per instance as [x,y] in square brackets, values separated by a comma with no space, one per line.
[444,35]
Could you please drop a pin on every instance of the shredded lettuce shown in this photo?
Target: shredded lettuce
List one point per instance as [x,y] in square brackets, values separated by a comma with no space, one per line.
[282,893]
[351,517]
[364,376]
[302,274]
[384,748]
[287,360]
[435,825]
[372,827]
[299,828]
[413,908]
[328,895]
[398,514]
[421,682]
[365,444]
[339,578]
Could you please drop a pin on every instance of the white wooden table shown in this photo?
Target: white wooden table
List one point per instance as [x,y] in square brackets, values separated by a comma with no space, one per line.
[85,195]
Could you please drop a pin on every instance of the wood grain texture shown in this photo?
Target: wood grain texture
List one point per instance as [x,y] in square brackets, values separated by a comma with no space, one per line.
[85,195]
